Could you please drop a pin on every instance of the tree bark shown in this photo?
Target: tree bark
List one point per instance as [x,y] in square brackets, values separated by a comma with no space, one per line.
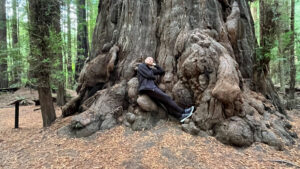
[15,23]
[69,58]
[267,32]
[3,46]
[282,31]
[292,53]
[207,49]
[41,14]
[82,37]
[15,45]
[48,112]
[262,81]
[61,78]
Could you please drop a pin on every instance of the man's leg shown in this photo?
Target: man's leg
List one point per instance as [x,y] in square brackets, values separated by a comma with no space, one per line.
[159,95]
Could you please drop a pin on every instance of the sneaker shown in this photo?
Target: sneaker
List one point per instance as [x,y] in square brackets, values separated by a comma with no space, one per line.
[188,110]
[188,114]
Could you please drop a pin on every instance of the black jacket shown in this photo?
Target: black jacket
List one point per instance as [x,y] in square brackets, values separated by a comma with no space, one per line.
[146,76]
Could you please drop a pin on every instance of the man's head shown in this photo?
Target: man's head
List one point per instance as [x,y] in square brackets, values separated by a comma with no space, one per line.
[149,61]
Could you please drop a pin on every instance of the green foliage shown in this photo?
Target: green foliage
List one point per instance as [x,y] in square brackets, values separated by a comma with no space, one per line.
[20,98]
[298,72]
[280,51]
[92,13]
[19,56]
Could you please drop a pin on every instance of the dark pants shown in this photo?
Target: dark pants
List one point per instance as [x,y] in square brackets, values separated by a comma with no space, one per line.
[157,95]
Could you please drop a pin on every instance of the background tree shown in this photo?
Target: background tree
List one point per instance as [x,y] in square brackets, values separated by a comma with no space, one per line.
[3,46]
[262,79]
[292,53]
[57,47]
[82,37]
[69,42]
[17,63]
[283,30]
[267,32]
[42,13]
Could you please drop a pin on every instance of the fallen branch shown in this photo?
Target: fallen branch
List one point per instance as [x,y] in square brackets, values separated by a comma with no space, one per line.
[287,88]
[9,89]
[285,162]
[37,109]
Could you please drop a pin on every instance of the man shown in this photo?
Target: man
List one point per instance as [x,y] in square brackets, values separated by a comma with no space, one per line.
[146,76]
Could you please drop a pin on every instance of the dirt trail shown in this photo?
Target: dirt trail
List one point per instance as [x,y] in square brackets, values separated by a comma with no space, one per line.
[165,146]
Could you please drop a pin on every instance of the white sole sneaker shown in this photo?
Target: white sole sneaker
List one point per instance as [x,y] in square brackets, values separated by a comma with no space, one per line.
[191,113]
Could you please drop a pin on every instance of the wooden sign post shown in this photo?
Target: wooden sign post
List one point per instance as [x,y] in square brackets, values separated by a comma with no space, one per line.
[17,103]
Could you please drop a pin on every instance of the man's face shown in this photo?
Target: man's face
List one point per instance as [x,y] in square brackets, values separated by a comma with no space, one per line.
[149,61]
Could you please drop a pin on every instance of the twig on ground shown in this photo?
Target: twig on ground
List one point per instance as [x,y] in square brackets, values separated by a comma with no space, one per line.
[285,162]
[37,109]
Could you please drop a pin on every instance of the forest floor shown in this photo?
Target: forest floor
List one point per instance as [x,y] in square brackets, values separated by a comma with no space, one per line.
[165,146]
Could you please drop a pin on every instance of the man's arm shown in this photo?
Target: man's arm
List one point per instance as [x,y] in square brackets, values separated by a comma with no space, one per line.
[145,72]
[158,70]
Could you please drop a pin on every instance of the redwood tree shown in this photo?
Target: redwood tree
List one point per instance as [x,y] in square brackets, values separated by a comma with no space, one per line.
[15,43]
[292,53]
[3,46]
[82,37]
[208,50]
[262,81]
[60,76]
[282,30]
[41,16]
[69,48]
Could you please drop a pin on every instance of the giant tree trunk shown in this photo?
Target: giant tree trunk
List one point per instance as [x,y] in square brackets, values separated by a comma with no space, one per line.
[3,46]
[41,17]
[208,51]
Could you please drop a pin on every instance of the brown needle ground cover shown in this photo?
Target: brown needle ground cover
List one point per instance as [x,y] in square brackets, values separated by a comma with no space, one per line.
[165,146]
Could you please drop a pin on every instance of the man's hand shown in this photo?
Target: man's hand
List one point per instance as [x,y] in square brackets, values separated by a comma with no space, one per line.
[150,61]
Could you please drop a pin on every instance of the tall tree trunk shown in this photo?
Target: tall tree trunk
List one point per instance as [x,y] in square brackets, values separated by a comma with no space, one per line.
[30,74]
[82,37]
[41,22]
[3,46]
[281,31]
[14,23]
[15,45]
[45,97]
[292,53]
[207,49]
[262,81]
[267,32]
[282,52]
[69,58]
[61,78]
[89,9]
